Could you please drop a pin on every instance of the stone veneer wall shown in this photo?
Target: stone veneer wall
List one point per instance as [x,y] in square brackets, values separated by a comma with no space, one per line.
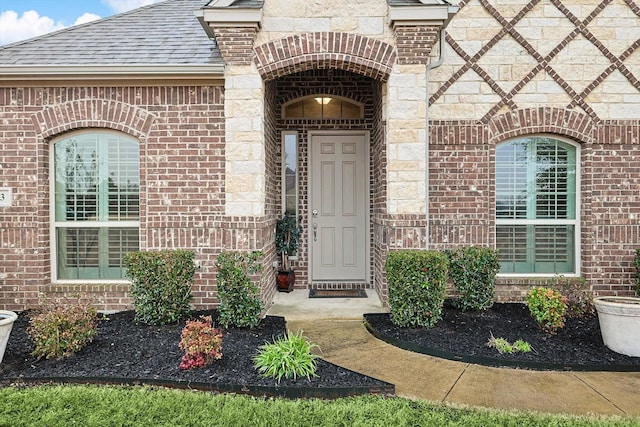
[182,149]
[366,17]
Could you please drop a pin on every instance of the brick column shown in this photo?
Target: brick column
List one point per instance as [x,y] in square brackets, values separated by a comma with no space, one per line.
[236,44]
[415,43]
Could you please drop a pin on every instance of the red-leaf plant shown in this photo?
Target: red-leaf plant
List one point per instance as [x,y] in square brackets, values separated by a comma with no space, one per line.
[201,343]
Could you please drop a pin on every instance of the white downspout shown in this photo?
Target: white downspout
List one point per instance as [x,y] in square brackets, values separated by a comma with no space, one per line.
[430,66]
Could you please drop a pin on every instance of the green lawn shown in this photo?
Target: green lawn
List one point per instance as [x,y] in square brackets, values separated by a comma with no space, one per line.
[144,406]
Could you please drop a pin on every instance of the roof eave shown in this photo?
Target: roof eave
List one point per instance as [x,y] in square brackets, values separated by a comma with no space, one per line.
[17,72]
[232,17]
[420,15]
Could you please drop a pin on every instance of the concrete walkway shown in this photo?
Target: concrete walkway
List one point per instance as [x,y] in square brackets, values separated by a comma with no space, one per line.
[336,326]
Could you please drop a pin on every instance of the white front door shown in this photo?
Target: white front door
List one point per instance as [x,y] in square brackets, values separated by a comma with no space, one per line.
[339,201]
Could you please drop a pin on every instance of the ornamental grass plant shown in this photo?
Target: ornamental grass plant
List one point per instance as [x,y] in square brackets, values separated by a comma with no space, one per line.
[288,357]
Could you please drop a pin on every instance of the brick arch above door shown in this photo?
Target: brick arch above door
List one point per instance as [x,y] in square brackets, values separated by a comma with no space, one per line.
[301,52]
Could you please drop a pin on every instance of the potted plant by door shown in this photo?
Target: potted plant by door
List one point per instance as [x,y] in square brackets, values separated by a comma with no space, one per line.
[288,231]
[619,319]
[6,324]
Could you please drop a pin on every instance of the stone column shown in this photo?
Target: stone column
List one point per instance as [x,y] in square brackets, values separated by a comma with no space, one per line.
[406,115]
[245,189]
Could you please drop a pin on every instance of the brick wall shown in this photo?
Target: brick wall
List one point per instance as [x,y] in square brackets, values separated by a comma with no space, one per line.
[462,202]
[181,133]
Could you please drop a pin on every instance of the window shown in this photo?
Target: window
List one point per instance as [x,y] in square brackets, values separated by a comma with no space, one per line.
[322,107]
[536,204]
[290,172]
[96,204]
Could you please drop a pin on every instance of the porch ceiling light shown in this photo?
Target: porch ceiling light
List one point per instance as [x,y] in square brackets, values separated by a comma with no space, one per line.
[323,100]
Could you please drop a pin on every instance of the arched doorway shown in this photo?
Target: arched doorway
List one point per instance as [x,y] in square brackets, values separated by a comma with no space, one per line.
[339,165]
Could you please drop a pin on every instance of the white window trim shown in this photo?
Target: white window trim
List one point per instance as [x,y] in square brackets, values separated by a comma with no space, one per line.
[78,224]
[575,222]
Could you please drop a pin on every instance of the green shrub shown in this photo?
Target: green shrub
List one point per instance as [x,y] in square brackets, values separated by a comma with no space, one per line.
[62,331]
[548,307]
[161,284]
[473,272]
[201,343]
[636,264]
[288,357]
[417,282]
[578,296]
[239,297]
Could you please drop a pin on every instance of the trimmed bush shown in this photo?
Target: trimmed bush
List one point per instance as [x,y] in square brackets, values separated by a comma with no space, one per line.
[161,284]
[288,357]
[62,331]
[417,282]
[239,297]
[548,307]
[578,296]
[473,272]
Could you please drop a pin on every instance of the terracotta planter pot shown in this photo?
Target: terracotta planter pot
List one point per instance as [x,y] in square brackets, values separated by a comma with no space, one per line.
[619,319]
[6,324]
[285,280]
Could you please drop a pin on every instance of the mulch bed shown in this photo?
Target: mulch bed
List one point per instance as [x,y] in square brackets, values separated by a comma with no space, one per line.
[464,335]
[126,352]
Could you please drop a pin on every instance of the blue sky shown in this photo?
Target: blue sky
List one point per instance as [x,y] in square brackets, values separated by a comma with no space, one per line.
[22,19]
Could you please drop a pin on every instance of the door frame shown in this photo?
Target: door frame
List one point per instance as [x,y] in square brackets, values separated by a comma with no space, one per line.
[367,220]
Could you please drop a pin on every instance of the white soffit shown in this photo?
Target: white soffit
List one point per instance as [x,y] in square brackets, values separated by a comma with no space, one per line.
[231,17]
[421,15]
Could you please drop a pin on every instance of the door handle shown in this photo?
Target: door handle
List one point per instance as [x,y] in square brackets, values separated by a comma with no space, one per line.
[315,234]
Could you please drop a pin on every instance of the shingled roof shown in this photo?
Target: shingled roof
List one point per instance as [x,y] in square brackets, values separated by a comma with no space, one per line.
[162,34]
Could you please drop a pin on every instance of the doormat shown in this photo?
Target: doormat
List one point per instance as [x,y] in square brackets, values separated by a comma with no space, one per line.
[337,293]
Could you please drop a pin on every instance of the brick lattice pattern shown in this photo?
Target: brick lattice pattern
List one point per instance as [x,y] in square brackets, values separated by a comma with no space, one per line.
[543,62]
